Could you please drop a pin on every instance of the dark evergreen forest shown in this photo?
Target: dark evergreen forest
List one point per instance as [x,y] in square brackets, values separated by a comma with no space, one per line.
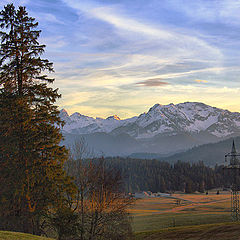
[161,176]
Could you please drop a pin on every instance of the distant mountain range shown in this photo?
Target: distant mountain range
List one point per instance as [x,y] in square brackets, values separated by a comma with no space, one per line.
[211,153]
[164,129]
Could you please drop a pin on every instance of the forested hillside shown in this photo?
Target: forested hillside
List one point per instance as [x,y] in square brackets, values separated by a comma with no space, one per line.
[161,176]
[210,154]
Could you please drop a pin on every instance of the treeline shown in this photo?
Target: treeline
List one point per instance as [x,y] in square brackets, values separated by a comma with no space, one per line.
[160,176]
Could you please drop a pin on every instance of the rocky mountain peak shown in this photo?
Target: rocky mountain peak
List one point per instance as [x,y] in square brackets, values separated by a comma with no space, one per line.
[63,113]
[115,117]
[171,119]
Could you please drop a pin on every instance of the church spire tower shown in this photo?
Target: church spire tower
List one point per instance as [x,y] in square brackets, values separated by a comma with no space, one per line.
[234,160]
[233,148]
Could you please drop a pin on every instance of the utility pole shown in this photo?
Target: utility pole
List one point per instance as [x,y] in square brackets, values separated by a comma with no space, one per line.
[233,168]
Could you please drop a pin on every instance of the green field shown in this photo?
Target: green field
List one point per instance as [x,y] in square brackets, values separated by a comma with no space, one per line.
[223,231]
[180,216]
[185,216]
[19,236]
[156,222]
[151,214]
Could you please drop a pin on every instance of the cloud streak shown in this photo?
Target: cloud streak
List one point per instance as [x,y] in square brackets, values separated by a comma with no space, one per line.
[200,81]
[48,17]
[122,22]
[224,11]
[154,82]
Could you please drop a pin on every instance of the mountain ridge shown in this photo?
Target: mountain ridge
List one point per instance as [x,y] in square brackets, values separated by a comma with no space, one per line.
[210,154]
[188,117]
[162,129]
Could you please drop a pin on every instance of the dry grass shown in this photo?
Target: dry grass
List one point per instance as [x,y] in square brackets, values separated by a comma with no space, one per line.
[194,209]
[195,202]
[148,206]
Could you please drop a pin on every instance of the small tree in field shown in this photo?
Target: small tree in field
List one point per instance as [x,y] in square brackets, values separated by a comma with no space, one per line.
[31,160]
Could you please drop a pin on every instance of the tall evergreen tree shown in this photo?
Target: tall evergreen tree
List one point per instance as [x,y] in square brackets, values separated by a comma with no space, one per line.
[31,160]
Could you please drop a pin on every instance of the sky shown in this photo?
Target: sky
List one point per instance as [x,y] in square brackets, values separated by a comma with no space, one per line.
[123,56]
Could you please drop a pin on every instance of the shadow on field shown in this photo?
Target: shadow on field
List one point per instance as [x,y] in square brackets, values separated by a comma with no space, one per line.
[224,231]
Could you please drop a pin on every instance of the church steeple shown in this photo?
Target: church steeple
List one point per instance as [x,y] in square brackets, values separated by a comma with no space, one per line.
[233,148]
[234,160]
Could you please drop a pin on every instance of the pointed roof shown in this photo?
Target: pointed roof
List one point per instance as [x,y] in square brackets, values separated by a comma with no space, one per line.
[234,160]
[234,152]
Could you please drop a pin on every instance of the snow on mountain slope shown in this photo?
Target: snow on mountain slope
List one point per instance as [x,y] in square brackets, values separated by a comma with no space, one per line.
[188,117]
[77,123]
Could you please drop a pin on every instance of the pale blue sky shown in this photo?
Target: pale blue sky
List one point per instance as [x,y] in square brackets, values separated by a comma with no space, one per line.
[122,57]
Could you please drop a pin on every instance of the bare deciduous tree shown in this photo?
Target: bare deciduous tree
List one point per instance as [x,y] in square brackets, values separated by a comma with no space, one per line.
[100,203]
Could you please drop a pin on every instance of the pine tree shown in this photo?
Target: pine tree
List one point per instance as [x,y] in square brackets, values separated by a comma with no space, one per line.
[162,186]
[201,187]
[32,178]
[188,188]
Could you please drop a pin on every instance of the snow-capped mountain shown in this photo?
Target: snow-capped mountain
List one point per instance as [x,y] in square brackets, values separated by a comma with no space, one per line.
[164,129]
[80,124]
[188,117]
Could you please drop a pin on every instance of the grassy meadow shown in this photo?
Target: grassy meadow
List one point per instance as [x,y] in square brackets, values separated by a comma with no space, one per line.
[222,231]
[179,216]
[19,236]
[153,214]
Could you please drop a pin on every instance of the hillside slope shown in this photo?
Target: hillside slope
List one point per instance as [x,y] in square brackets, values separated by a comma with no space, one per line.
[223,231]
[4,235]
[211,154]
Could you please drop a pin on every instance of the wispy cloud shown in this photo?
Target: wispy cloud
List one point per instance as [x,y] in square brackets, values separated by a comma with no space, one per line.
[48,17]
[122,22]
[148,49]
[15,2]
[54,43]
[154,82]
[200,81]
[224,11]
[126,23]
